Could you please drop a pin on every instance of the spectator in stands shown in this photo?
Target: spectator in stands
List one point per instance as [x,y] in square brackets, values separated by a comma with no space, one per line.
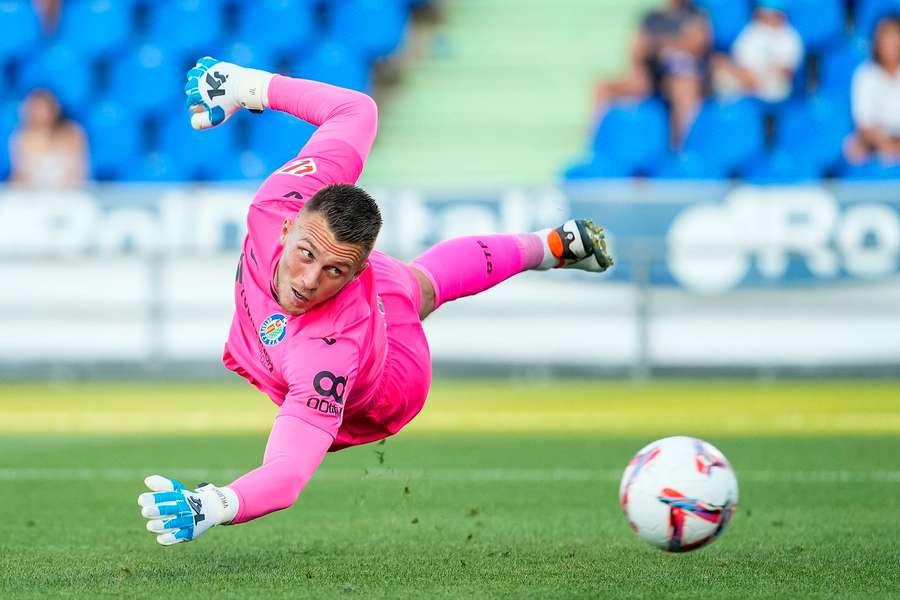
[764,56]
[49,12]
[669,58]
[875,99]
[47,150]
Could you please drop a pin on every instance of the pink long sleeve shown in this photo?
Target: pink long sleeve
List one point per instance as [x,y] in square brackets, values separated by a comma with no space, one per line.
[293,453]
[340,113]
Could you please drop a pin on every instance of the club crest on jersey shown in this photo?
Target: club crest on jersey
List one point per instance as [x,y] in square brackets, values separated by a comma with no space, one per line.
[273,329]
[299,167]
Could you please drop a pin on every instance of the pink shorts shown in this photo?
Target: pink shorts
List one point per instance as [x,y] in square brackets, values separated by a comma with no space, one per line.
[407,372]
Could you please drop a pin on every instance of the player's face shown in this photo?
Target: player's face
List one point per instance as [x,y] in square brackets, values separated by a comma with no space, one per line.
[313,266]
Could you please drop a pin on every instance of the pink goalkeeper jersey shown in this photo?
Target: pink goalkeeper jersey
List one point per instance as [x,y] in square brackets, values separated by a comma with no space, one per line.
[326,364]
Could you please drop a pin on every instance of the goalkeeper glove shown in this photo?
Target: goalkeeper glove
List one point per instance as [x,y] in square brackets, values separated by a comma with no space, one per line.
[178,514]
[216,90]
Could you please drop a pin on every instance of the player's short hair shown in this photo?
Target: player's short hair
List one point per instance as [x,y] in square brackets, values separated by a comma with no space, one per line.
[350,212]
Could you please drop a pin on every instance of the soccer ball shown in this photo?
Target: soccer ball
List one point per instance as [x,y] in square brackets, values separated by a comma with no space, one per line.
[678,493]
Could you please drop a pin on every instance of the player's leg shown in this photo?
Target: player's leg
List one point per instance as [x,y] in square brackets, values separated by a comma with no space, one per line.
[466,266]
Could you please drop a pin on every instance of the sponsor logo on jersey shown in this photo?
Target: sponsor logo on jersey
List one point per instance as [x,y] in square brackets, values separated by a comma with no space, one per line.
[299,167]
[273,329]
[325,406]
[328,384]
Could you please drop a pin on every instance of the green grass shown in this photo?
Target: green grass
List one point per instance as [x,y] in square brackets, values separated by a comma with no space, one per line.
[489,494]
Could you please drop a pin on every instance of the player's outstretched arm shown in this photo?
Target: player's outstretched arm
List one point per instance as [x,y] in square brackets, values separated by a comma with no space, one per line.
[216,90]
[176,514]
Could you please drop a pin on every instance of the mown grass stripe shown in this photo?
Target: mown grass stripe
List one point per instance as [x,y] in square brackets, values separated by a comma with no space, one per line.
[458,475]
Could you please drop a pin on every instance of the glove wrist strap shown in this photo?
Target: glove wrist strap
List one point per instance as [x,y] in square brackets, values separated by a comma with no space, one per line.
[253,89]
[226,502]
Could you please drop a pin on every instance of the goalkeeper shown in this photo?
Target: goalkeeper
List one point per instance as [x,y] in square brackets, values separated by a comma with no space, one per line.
[327,327]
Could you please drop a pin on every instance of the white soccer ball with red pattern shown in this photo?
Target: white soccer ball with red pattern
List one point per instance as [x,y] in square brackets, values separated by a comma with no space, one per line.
[678,493]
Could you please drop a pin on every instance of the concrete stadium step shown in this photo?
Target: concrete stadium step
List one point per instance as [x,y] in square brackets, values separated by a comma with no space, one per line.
[504,91]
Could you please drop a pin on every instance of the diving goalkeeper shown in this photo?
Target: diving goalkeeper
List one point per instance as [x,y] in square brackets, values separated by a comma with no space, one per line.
[327,327]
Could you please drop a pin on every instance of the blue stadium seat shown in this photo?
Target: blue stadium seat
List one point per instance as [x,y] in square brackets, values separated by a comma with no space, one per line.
[872,170]
[201,153]
[288,25]
[114,139]
[96,27]
[782,167]
[335,63]
[631,136]
[21,29]
[146,80]
[275,138]
[727,17]
[158,167]
[838,65]
[9,120]
[599,167]
[814,130]
[869,12]
[687,165]
[187,28]
[258,56]
[60,69]
[375,28]
[727,134]
[819,22]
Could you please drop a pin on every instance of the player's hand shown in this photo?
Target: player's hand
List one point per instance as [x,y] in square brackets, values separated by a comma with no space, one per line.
[216,90]
[177,514]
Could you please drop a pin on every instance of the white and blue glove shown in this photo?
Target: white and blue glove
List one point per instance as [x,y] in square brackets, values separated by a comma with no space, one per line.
[178,514]
[216,90]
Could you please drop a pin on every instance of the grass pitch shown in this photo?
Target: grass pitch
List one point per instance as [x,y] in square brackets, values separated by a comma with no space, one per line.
[496,490]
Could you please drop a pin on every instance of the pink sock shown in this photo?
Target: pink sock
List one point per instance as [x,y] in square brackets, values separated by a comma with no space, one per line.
[466,266]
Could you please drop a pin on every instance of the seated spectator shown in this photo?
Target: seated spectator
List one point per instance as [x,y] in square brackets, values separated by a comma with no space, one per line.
[668,58]
[48,10]
[47,150]
[764,56]
[875,99]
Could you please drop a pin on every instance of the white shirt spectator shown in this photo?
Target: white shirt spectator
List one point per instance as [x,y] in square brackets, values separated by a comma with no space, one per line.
[768,51]
[875,98]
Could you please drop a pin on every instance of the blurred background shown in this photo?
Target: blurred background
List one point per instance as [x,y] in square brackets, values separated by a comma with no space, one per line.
[744,157]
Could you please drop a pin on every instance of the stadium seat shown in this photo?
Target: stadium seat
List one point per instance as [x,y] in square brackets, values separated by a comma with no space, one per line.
[9,120]
[335,63]
[872,170]
[687,165]
[869,12]
[94,28]
[814,130]
[200,152]
[781,166]
[288,25]
[147,63]
[631,136]
[257,56]
[838,65]
[158,167]
[21,29]
[727,17]
[374,28]
[275,138]
[61,70]
[727,134]
[114,140]
[187,29]
[819,22]
[599,167]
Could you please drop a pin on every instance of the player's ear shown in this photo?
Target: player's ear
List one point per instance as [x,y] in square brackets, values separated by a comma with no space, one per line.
[286,229]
